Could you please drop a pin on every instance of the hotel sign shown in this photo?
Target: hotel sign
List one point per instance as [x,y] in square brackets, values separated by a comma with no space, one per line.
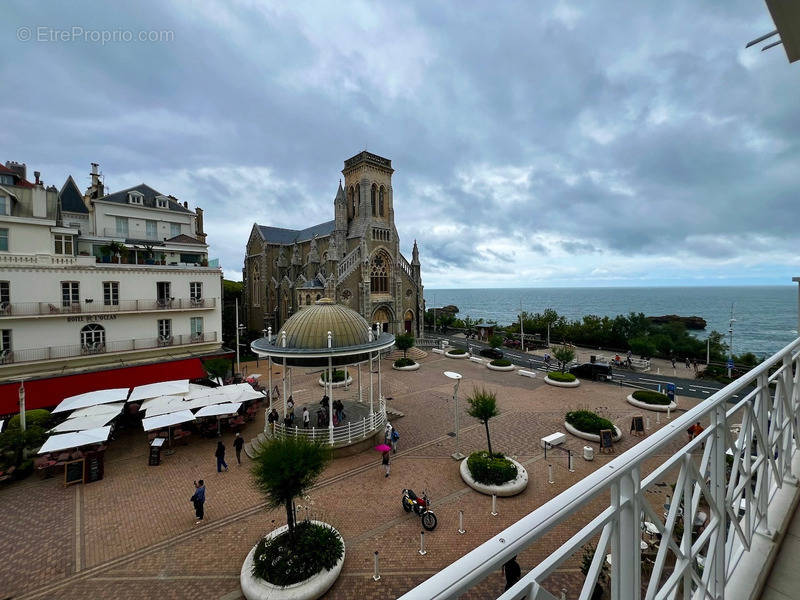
[90,318]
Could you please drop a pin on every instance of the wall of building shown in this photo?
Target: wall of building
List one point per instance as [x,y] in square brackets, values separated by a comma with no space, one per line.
[106,213]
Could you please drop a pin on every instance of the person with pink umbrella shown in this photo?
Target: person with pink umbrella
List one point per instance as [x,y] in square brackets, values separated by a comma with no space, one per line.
[385,450]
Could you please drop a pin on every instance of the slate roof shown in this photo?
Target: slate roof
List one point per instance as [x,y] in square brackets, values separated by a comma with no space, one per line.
[278,235]
[312,284]
[70,198]
[18,181]
[185,239]
[149,199]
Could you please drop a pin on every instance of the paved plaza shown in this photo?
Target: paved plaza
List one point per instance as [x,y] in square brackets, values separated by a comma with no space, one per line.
[132,535]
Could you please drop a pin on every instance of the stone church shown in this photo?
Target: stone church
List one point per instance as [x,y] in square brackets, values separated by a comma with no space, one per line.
[354,259]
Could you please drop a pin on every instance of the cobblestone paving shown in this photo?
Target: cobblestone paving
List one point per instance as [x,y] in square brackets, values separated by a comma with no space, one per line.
[132,535]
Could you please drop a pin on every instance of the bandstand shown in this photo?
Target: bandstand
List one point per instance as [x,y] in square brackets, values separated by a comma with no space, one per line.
[327,335]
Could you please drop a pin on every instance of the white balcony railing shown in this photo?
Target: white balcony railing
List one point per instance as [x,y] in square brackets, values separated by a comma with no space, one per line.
[732,485]
[25,355]
[31,309]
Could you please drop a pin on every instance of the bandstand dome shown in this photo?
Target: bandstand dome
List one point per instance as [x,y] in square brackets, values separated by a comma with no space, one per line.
[303,338]
[308,328]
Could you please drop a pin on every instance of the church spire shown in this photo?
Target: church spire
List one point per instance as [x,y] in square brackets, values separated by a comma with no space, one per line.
[415,254]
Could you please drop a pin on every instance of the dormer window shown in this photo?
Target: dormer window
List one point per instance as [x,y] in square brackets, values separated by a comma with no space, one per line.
[162,202]
[135,198]
[5,205]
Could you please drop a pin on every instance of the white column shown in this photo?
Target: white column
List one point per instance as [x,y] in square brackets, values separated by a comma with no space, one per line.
[370,384]
[715,560]
[269,378]
[330,395]
[763,401]
[625,549]
[283,377]
[360,399]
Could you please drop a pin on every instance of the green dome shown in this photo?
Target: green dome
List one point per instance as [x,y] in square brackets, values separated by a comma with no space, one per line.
[308,328]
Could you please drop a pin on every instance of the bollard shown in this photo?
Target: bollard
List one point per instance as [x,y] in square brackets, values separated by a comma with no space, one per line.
[550,474]
[647,422]
[569,460]
[668,413]
[658,418]
[422,543]
[494,505]
[461,522]
[376,575]
[563,593]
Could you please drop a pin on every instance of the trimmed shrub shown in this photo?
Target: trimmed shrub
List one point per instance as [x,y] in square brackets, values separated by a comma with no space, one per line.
[337,376]
[588,422]
[651,397]
[403,362]
[501,362]
[457,351]
[561,377]
[33,418]
[491,470]
[281,561]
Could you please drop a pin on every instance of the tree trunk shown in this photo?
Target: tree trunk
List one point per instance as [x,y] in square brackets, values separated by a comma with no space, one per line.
[290,518]
[488,441]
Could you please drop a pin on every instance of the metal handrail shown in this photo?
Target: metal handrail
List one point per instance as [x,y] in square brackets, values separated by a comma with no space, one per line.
[738,502]
[27,309]
[340,435]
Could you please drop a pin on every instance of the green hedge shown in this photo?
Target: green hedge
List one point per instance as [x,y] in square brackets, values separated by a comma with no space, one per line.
[501,362]
[279,562]
[404,362]
[457,351]
[338,376]
[494,470]
[588,422]
[651,397]
[561,377]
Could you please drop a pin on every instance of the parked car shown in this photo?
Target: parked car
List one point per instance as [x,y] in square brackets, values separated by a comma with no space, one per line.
[492,353]
[592,370]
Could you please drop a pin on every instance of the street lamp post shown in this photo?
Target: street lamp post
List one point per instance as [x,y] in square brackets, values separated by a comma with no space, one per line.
[457,376]
[239,327]
[730,350]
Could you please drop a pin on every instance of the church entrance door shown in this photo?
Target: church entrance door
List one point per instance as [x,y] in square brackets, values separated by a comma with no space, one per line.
[381,317]
[408,319]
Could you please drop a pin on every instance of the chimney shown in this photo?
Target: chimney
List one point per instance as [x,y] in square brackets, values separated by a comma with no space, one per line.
[185,204]
[19,169]
[36,174]
[198,225]
[96,188]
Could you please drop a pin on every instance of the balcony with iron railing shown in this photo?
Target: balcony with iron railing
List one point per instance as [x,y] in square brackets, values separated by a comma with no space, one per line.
[10,310]
[8,357]
[734,489]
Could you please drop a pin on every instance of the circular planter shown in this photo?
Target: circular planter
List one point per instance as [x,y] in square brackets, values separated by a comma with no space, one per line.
[646,406]
[337,384]
[591,436]
[566,384]
[509,488]
[413,367]
[465,355]
[310,589]
[494,368]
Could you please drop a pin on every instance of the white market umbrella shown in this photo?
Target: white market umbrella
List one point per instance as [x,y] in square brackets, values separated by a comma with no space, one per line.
[167,420]
[101,409]
[219,410]
[92,399]
[162,388]
[83,423]
[65,441]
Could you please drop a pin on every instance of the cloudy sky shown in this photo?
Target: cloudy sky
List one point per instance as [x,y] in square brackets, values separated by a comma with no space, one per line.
[534,144]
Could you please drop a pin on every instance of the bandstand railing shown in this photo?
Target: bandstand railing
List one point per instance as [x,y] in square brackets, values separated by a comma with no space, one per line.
[341,435]
[733,483]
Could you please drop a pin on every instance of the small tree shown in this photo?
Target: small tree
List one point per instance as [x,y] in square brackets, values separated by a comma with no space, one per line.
[564,356]
[287,467]
[496,340]
[483,406]
[404,341]
[217,367]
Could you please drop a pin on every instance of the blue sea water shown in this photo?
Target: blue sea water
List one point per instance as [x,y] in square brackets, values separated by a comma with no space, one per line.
[766,316]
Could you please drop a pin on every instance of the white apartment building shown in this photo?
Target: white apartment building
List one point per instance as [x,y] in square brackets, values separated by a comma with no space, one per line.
[117,284]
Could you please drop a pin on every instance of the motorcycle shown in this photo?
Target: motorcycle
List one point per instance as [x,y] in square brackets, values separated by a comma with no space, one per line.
[421,506]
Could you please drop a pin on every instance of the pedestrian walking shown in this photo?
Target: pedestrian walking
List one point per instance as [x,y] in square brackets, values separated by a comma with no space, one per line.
[385,461]
[290,409]
[306,417]
[199,499]
[694,364]
[238,443]
[220,454]
[673,362]
[512,571]
[387,434]
[688,364]
[695,430]
[395,436]
[272,418]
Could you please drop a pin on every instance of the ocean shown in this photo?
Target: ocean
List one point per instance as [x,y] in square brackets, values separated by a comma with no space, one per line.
[766,316]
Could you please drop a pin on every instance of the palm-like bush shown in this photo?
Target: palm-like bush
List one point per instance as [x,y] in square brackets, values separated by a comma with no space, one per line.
[287,467]
[483,406]
[564,356]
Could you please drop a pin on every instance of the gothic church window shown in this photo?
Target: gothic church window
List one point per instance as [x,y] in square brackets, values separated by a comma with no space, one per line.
[351,204]
[373,200]
[379,274]
[381,201]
